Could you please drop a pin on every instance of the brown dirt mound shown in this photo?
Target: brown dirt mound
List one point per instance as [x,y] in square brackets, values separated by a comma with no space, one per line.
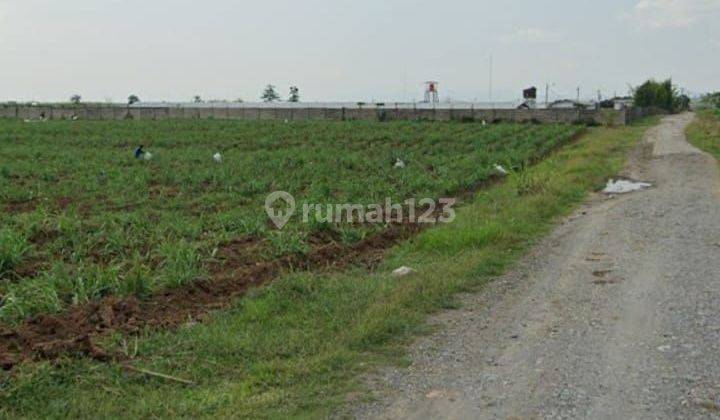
[17,207]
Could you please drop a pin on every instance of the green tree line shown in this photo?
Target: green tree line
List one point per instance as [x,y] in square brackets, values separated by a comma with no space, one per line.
[662,95]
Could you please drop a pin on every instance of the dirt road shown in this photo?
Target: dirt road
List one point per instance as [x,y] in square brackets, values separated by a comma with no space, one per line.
[615,315]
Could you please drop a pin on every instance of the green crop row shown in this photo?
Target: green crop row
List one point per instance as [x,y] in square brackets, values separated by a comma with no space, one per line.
[82,218]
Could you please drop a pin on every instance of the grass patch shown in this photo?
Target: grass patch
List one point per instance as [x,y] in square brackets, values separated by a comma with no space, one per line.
[13,248]
[297,347]
[704,132]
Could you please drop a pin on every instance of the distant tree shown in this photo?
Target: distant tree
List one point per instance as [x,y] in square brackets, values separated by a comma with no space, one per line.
[294,94]
[269,94]
[197,99]
[682,103]
[75,99]
[659,94]
[133,99]
[238,101]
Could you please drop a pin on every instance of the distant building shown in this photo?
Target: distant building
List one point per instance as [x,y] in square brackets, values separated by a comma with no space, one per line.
[622,102]
[571,104]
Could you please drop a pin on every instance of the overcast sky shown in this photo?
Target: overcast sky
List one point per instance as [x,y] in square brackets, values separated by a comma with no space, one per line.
[351,49]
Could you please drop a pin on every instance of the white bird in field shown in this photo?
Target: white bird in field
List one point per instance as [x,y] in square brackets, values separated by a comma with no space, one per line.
[399,164]
[500,169]
[217,157]
[484,122]
[403,271]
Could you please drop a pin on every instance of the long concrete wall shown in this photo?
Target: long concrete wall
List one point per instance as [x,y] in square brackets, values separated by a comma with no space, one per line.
[97,112]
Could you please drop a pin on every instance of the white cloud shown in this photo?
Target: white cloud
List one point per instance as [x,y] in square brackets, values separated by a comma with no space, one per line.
[657,14]
[530,35]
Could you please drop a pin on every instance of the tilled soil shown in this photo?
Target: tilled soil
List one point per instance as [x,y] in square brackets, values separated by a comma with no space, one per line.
[76,331]
[615,315]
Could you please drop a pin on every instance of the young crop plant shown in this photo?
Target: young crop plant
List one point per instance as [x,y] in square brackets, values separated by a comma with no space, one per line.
[83,219]
[13,248]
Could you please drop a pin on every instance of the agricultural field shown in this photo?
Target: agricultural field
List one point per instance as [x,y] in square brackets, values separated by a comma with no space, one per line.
[301,346]
[83,219]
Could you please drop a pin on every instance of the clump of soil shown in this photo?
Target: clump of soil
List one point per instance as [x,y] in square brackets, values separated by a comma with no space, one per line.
[19,207]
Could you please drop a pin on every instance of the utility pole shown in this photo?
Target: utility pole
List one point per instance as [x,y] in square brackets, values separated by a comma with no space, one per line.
[547,95]
[491,81]
[405,95]
[578,94]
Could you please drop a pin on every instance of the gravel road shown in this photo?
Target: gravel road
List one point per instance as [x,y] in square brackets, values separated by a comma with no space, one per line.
[615,315]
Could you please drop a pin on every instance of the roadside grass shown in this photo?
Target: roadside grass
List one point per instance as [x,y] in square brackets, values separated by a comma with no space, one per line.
[299,346]
[704,132]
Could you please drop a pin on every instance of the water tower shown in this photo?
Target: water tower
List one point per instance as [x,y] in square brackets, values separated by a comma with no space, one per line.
[530,96]
[431,92]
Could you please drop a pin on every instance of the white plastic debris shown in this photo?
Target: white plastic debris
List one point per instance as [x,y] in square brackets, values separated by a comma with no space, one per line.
[622,186]
[399,164]
[500,169]
[217,157]
[403,271]
[147,156]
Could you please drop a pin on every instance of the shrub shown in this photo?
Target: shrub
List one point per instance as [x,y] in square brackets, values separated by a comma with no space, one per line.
[662,95]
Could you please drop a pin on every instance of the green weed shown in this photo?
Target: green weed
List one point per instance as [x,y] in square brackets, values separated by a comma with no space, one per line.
[13,248]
